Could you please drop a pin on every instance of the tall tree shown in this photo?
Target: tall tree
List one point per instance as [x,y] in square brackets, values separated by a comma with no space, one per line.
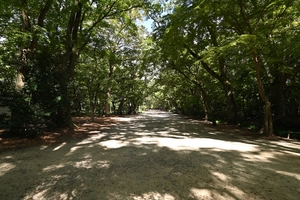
[193,29]
[66,35]
[255,23]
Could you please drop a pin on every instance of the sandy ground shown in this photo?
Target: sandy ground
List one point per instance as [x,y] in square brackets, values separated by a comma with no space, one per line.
[156,155]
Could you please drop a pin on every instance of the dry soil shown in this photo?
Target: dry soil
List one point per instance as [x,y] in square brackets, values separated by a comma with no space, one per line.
[155,155]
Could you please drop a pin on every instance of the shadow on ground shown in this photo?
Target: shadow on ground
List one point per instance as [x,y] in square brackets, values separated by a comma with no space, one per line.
[156,155]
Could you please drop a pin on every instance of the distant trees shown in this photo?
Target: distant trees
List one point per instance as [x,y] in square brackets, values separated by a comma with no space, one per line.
[230,60]
[238,44]
[48,44]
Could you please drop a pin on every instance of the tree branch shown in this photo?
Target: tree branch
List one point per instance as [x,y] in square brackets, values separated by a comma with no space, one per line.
[204,64]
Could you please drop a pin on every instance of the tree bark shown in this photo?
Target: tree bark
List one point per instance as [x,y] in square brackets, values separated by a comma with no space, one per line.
[222,78]
[120,108]
[25,52]
[268,121]
[68,65]
[109,87]
[279,96]
[210,113]
[206,113]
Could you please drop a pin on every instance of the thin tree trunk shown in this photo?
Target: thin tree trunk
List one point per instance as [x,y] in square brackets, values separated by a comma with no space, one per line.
[111,72]
[68,66]
[210,111]
[120,108]
[206,100]
[222,78]
[268,121]
[107,103]
[279,96]
[204,107]
[232,110]
[92,117]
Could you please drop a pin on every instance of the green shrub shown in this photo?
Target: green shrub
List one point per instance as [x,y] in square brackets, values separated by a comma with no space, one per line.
[25,120]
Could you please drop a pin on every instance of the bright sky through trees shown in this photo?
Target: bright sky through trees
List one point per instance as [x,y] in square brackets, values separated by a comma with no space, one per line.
[148,25]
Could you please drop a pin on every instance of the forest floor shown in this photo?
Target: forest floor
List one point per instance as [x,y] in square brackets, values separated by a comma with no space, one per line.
[155,155]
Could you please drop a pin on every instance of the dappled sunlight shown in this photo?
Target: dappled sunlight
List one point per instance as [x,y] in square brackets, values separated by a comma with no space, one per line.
[43,147]
[195,144]
[86,164]
[260,156]
[220,176]
[291,144]
[166,134]
[159,115]
[60,146]
[212,133]
[92,139]
[44,195]
[293,175]
[74,149]
[153,159]
[212,194]
[113,144]
[5,167]
[288,147]
[41,195]
[92,125]
[42,191]
[292,153]
[153,195]
[122,119]
[94,132]
[89,164]
[54,167]
[227,192]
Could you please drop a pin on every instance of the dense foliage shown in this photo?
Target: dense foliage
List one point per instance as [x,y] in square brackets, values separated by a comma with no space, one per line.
[64,57]
[224,60]
[237,56]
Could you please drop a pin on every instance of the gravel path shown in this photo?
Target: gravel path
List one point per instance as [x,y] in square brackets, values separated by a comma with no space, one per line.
[156,155]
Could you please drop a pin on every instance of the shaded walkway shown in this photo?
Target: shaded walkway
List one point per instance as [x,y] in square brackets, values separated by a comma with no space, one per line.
[156,155]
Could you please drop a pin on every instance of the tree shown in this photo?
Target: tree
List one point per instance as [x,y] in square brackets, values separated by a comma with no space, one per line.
[65,37]
[256,23]
[213,31]
[190,30]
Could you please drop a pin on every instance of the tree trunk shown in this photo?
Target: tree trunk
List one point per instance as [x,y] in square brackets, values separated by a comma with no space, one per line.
[63,117]
[206,100]
[93,102]
[107,103]
[120,108]
[232,110]
[210,113]
[204,108]
[279,96]
[268,121]
[222,78]
[92,111]
[111,72]
[17,116]
[68,66]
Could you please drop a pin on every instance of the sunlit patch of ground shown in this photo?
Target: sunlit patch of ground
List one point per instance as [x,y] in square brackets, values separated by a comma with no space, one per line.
[84,129]
[155,155]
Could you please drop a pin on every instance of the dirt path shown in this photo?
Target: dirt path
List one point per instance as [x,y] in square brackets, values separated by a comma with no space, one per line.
[156,155]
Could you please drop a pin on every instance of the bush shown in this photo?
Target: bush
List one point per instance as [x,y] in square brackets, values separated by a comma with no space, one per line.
[25,120]
[4,120]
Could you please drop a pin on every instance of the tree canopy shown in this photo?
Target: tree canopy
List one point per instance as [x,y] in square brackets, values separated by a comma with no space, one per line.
[232,61]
